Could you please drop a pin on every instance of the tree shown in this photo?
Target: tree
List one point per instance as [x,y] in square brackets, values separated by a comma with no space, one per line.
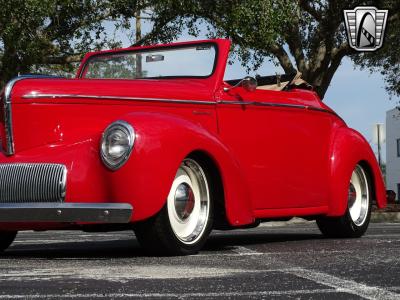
[34,33]
[387,59]
[303,35]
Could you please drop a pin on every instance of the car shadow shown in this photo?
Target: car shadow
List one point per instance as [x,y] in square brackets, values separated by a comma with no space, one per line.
[229,241]
[95,250]
[128,248]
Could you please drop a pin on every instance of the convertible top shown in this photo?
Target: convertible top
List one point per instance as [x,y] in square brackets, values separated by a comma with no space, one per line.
[278,82]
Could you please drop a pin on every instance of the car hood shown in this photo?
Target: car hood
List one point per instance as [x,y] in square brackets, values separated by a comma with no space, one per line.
[52,111]
[45,89]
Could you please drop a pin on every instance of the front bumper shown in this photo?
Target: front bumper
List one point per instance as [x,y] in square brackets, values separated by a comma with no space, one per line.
[63,185]
[66,212]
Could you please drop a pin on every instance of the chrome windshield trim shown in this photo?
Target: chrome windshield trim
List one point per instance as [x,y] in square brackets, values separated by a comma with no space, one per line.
[10,150]
[66,212]
[34,95]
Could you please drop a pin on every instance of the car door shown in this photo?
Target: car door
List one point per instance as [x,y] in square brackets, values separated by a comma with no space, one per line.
[281,146]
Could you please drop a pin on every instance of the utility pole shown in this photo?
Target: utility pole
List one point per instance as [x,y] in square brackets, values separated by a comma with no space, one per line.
[379,144]
[378,138]
[138,37]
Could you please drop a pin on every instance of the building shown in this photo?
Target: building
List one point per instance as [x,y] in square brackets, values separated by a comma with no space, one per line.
[393,151]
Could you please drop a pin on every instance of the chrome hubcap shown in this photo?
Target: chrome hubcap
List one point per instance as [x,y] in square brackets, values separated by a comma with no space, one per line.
[184,201]
[358,197]
[188,202]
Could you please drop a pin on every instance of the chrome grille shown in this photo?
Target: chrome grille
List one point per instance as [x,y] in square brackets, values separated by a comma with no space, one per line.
[21,183]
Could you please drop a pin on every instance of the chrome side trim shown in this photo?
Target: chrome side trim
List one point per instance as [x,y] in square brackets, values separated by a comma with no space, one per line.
[34,95]
[8,116]
[66,212]
[8,110]
[278,105]
[269,104]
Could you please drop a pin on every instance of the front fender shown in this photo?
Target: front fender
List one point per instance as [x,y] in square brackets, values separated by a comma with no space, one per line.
[349,148]
[162,142]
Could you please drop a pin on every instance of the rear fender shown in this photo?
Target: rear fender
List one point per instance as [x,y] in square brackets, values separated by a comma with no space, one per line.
[162,142]
[348,149]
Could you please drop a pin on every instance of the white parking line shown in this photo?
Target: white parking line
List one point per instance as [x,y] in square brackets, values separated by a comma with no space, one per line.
[344,285]
[42,242]
[334,284]
[242,251]
[49,242]
[171,295]
[388,235]
[116,273]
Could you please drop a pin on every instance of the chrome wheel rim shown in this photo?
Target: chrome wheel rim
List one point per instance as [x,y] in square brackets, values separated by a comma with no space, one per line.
[358,196]
[188,202]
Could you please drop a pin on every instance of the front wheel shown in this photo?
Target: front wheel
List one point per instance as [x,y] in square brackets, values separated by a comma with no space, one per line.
[6,239]
[184,223]
[355,221]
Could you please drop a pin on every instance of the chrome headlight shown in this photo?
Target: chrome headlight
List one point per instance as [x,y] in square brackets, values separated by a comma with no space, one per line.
[117,144]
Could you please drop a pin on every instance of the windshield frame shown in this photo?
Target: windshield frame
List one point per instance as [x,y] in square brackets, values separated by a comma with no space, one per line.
[84,67]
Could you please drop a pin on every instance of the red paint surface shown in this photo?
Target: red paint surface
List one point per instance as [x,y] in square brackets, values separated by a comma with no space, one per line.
[274,161]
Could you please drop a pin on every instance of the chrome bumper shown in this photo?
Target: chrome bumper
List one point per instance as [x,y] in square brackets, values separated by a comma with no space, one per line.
[66,212]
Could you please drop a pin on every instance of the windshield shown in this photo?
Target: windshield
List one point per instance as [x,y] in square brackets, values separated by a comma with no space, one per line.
[187,61]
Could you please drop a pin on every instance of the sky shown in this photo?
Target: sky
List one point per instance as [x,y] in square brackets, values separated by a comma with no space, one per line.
[358,96]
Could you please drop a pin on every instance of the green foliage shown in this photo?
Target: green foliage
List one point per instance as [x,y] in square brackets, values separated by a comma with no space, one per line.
[253,25]
[305,35]
[387,59]
[119,67]
[38,33]
[309,36]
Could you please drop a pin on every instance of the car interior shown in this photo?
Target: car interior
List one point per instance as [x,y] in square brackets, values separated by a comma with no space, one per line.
[278,82]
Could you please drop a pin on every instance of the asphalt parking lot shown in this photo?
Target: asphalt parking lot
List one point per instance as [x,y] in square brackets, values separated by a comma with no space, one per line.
[279,262]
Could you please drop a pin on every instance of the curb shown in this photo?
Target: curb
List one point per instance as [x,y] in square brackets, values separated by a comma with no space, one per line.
[376,217]
[390,214]
[385,217]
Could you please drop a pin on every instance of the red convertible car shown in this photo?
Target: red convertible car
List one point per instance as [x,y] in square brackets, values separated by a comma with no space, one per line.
[154,139]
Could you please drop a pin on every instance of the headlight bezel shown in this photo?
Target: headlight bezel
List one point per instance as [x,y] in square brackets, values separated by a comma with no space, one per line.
[129,131]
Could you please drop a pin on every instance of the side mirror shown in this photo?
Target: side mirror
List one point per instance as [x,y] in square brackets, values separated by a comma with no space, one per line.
[248,83]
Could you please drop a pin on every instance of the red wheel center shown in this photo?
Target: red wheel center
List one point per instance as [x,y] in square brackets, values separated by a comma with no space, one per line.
[189,204]
[352,193]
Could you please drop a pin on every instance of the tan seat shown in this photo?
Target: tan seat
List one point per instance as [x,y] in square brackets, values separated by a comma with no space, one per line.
[297,81]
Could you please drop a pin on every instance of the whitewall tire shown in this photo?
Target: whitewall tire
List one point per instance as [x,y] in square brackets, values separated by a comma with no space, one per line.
[184,223]
[188,202]
[356,219]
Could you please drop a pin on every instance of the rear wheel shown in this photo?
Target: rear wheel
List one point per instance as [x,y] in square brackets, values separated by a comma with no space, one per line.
[184,223]
[6,239]
[355,221]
